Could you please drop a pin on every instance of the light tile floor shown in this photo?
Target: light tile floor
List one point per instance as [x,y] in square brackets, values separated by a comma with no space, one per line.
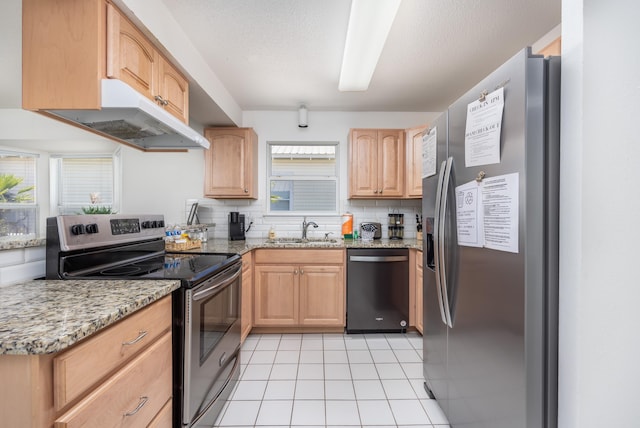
[331,380]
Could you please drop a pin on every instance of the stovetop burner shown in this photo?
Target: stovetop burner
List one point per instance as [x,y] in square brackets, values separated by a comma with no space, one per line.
[190,268]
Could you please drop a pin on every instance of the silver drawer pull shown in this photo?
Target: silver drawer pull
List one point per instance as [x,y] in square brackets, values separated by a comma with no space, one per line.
[143,401]
[141,334]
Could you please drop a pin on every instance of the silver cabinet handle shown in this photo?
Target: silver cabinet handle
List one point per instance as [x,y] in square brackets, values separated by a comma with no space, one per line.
[143,401]
[295,272]
[246,190]
[141,334]
[378,259]
[380,191]
[301,272]
[161,100]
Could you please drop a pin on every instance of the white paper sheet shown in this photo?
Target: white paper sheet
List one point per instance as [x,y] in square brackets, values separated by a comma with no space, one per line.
[482,130]
[500,208]
[429,153]
[487,213]
[469,214]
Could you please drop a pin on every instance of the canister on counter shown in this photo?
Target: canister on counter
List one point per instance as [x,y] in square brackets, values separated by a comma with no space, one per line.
[347,225]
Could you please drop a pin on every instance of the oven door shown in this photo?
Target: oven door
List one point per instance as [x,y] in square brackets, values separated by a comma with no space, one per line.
[212,345]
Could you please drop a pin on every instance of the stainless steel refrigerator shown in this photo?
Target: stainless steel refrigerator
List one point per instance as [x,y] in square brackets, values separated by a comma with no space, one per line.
[490,314]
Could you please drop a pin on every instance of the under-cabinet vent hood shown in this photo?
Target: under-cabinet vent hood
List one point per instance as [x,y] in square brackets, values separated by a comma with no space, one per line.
[127,115]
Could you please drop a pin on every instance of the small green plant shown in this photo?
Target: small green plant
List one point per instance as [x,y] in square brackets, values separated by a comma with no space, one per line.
[97,209]
[8,182]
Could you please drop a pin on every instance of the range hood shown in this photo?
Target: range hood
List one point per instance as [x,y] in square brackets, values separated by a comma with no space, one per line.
[129,117]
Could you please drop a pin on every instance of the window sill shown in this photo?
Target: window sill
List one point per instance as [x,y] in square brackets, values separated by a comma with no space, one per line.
[13,242]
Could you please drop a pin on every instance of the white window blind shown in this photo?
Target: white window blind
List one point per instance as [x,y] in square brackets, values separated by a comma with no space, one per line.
[84,182]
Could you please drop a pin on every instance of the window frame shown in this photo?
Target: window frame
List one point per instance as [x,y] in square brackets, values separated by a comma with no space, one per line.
[32,205]
[55,173]
[270,177]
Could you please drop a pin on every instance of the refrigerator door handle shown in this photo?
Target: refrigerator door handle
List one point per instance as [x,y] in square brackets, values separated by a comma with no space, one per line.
[437,241]
[442,239]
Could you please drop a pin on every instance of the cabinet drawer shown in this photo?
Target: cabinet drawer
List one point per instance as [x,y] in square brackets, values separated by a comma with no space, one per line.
[132,397]
[164,418]
[84,365]
[298,256]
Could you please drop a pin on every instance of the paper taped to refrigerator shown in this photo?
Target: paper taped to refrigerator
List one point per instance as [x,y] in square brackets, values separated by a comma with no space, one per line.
[487,213]
[429,153]
[482,130]
[469,214]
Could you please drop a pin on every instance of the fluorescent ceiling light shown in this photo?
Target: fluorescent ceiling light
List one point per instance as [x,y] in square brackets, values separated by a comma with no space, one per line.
[369,25]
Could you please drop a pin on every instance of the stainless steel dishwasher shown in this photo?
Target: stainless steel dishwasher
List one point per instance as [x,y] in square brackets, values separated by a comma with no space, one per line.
[377,290]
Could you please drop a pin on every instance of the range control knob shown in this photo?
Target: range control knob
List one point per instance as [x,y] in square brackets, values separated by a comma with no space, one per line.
[77,229]
[147,224]
[92,228]
[161,223]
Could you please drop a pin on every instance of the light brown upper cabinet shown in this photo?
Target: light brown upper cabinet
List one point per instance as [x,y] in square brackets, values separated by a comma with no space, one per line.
[231,163]
[132,58]
[376,163]
[70,46]
[414,162]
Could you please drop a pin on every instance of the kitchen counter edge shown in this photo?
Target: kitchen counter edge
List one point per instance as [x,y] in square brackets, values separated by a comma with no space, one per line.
[47,316]
[242,247]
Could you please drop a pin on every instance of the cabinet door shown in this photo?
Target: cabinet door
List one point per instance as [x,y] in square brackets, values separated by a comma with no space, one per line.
[363,163]
[321,295]
[230,163]
[130,398]
[173,89]
[419,293]
[390,163]
[414,162]
[130,56]
[275,295]
[246,313]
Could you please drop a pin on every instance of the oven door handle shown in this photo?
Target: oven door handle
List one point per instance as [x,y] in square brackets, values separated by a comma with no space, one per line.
[218,282]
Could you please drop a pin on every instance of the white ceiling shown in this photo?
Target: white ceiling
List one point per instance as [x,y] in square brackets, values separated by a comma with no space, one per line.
[278,54]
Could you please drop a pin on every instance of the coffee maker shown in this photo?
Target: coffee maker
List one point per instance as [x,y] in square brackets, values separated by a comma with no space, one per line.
[236,226]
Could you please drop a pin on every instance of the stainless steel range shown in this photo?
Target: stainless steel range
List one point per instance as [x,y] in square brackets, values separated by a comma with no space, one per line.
[206,309]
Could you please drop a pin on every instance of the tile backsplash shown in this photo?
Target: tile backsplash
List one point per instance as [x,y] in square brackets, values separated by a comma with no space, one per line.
[216,212]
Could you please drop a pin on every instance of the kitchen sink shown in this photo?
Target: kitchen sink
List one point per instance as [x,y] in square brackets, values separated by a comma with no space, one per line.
[307,241]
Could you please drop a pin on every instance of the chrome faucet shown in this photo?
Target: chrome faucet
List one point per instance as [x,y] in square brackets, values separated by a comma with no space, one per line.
[305,225]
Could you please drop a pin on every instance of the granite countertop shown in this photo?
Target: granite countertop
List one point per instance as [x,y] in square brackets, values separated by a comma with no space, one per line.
[42,317]
[14,243]
[46,316]
[241,247]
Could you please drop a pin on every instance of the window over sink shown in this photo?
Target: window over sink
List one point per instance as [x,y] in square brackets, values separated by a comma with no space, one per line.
[302,177]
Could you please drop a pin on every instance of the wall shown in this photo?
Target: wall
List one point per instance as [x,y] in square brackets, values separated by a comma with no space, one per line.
[169,183]
[275,126]
[599,292]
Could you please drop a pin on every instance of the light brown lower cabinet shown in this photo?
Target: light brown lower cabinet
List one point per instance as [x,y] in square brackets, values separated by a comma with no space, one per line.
[415,290]
[124,369]
[132,397]
[246,311]
[299,288]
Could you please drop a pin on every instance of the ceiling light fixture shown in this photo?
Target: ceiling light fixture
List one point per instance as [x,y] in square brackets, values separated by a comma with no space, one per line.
[302,117]
[369,25]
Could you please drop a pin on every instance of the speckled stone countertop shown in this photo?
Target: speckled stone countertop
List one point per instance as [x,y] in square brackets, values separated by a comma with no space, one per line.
[241,247]
[42,317]
[12,244]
